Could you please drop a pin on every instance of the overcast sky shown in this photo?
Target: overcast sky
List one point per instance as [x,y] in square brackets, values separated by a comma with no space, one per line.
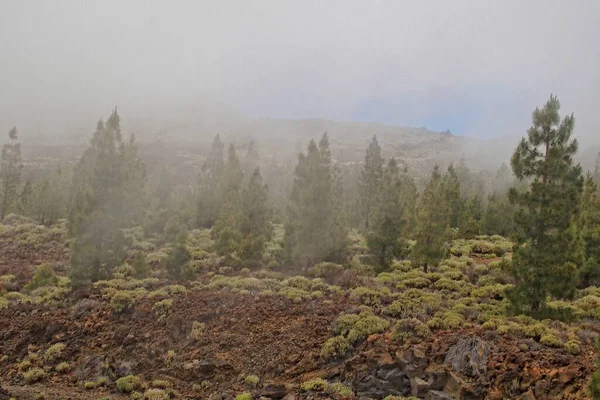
[474,67]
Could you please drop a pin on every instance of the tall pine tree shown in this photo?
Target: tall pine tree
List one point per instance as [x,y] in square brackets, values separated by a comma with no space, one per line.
[545,257]
[588,227]
[430,246]
[226,231]
[208,196]
[314,231]
[370,180]
[255,219]
[10,173]
[102,201]
[388,223]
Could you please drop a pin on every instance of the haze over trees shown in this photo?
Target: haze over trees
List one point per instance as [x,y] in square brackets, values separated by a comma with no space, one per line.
[532,228]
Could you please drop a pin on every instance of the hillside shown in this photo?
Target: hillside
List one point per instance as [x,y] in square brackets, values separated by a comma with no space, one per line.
[333,332]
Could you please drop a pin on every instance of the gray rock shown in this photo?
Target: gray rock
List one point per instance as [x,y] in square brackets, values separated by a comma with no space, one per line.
[468,356]
[438,395]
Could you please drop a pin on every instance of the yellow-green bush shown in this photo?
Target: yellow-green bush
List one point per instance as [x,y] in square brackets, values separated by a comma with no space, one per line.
[369,296]
[314,385]
[161,384]
[337,346]
[339,389]
[251,380]
[197,330]
[129,383]
[62,367]
[156,394]
[54,352]
[410,329]
[34,375]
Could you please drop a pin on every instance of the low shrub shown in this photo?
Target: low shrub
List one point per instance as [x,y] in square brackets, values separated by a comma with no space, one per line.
[314,385]
[89,385]
[337,346]
[197,330]
[251,380]
[129,383]
[34,375]
[54,352]
[572,346]
[156,394]
[62,367]
[410,330]
[44,276]
[161,384]
[339,389]
[551,340]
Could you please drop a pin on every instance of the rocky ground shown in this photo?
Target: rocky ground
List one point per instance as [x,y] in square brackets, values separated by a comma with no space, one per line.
[263,336]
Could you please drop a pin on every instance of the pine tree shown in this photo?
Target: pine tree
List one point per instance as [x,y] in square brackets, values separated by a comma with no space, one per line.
[25,203]
[545,258]
[384,238]
[10,173]
[105,184]
[226,231]
[588,227]
[498,218]
[208,194]
[314,230]
[409,197]
[255,219]
[50,197]
[471,220]
[430,246]
[450,187]
[370,180]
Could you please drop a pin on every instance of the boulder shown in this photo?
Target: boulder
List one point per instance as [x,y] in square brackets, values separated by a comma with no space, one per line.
[274,391]
[468,357]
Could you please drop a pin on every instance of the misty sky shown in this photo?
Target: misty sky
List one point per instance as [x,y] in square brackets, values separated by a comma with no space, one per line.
[474,67]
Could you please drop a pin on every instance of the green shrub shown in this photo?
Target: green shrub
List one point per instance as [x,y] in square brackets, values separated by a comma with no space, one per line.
[435,323]
[197,330]
[368,296]
[295,294]
[453,319]
[161,384]
[412,329]
[129,383]
[252,380]
[44,276]
[162,308]
[170,357]
[123,300]
[156,394]
[25,365]
[337,346]
[314,385]
[366,325]
[551,340]
[536,330]
[62,367]
[243,396]
[572,346]
[589,306]
[34,375]
[339,389]
[54,352]
[89,385]
[103,381]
